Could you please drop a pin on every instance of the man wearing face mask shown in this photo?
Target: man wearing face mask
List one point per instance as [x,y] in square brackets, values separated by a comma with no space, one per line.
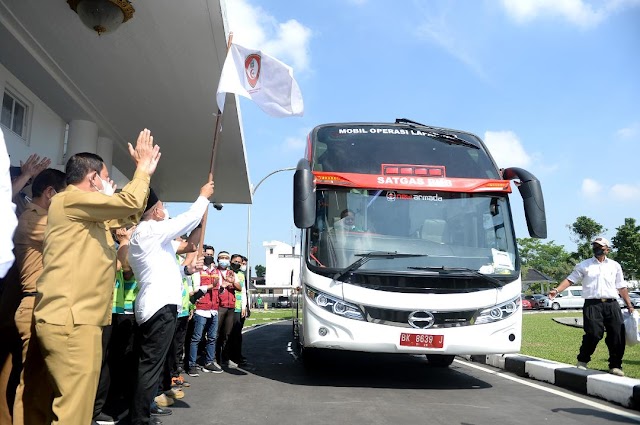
[229,284]
[239,266]
[152,256]
[74,292]
[28,241]
[602,282]
[205,318]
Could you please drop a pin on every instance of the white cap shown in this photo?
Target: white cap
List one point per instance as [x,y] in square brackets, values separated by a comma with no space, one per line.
[601,241]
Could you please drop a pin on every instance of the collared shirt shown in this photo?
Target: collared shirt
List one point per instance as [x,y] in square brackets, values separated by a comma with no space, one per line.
[599,279]
[7,212]
[152,257]
[28,240]
[79,254]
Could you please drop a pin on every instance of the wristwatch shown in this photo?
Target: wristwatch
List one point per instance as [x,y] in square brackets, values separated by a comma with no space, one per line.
[186,271]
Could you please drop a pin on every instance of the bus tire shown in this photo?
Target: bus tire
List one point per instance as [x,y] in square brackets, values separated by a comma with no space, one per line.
[555,306]
[440,360]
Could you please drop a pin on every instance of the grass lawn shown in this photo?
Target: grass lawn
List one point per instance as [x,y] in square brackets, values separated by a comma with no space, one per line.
[259,316]
[542,337]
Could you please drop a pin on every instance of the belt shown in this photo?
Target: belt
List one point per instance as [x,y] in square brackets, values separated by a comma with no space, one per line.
[602,300]
[29,294]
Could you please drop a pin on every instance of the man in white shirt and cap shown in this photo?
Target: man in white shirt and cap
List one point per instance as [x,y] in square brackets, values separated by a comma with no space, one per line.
[602,283]
[152,256]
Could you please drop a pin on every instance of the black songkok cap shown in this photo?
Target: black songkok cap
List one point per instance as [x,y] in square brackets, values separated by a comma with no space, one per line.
[152,201]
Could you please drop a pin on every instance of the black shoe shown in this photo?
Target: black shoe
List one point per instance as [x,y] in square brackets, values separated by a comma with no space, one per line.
[104,419]
[160,411]
[212,367]
[193,371]
[155,421]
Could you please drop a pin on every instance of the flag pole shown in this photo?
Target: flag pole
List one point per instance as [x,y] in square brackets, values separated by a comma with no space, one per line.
[214,151]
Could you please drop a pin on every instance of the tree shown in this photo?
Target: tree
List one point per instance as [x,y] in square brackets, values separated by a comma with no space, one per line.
[584,229]
[261,270]
[548,258]
[627,245]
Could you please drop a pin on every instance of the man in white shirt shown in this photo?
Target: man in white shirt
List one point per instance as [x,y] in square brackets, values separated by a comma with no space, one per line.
[152,257]
[7,211]
[602,283]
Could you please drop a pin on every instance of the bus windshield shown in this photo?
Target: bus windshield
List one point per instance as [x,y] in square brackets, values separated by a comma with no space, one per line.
[431,229]
[353,148]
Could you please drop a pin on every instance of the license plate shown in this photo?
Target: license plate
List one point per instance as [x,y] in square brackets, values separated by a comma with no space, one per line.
[421,340]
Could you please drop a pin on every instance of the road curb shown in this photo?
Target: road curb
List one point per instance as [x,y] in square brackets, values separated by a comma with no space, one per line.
[617,389]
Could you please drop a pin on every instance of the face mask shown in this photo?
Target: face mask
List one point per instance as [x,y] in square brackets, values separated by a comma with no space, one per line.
[107,189]
[166,214]
[208,260]
[223,264]
[235,267]
[598,251]
[243,268]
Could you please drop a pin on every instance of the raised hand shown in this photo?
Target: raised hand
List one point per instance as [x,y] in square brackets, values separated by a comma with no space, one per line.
[34,165]
[145,154]
[124,235]
[207,190]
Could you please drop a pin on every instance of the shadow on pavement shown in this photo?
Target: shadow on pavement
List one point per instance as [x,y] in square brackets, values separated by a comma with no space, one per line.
[266,348]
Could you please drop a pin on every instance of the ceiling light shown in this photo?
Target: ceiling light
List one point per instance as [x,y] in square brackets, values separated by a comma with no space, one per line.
[102,15]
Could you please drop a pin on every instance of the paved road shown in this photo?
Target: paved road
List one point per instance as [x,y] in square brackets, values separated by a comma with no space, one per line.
[381,389]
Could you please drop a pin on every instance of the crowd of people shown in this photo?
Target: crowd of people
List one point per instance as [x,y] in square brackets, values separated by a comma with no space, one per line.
[110,297]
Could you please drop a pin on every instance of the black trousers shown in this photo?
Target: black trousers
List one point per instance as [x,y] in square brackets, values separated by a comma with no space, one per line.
[235,352]
[122,363]
[225,325]
[153,339]
[598,317]
[174,355]
[105,374]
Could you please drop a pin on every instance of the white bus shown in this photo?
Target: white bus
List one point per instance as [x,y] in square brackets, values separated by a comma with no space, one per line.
[407,243]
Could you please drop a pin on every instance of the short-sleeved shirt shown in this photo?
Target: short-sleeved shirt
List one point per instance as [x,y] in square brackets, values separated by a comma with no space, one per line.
[599,279]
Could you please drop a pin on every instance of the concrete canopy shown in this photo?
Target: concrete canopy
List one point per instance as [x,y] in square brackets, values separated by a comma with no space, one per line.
[159,70]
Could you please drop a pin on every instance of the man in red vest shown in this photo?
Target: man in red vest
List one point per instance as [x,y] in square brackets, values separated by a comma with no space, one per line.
[205,318]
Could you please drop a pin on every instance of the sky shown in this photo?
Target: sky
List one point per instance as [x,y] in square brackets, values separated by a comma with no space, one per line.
[552,86]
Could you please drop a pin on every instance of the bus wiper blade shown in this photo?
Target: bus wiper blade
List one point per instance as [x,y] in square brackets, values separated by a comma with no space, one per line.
[463,271]
[449,138]
[369,256]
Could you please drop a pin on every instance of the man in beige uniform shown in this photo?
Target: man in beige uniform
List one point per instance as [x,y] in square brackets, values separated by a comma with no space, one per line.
[28,242]
[76,287]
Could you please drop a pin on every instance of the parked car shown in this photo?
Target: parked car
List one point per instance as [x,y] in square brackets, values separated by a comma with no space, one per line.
[535,304]
[283,302]
[542,299]
[537,300]
[526,304]
[569,298]
[635,299]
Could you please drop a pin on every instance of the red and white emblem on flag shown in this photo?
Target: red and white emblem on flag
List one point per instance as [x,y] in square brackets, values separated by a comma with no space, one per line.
[252,68]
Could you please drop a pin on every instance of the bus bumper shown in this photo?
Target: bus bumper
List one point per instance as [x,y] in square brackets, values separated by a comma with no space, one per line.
[326,330]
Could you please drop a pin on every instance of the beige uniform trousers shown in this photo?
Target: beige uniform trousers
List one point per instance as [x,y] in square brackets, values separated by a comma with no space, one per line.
[72,356]
[40,388]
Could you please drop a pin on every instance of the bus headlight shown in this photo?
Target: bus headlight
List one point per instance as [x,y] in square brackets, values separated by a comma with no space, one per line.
[498,312]
[334,305]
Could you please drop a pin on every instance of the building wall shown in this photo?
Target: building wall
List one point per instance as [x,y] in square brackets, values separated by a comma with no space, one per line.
[279,268]
[45,129]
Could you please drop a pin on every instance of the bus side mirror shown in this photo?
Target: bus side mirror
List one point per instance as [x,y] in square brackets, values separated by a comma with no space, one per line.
[304,199]
[531,192]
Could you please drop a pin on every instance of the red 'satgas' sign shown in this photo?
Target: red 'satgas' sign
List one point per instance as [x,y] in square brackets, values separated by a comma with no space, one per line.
[412,182]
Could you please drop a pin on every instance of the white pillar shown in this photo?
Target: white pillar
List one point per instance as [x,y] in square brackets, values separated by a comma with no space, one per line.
[82,137]
[105,150]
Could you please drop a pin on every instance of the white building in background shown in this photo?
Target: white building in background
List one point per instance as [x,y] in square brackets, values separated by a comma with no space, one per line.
[283,266]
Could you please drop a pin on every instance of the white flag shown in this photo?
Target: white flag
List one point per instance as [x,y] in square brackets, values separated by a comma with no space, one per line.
[261,78]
